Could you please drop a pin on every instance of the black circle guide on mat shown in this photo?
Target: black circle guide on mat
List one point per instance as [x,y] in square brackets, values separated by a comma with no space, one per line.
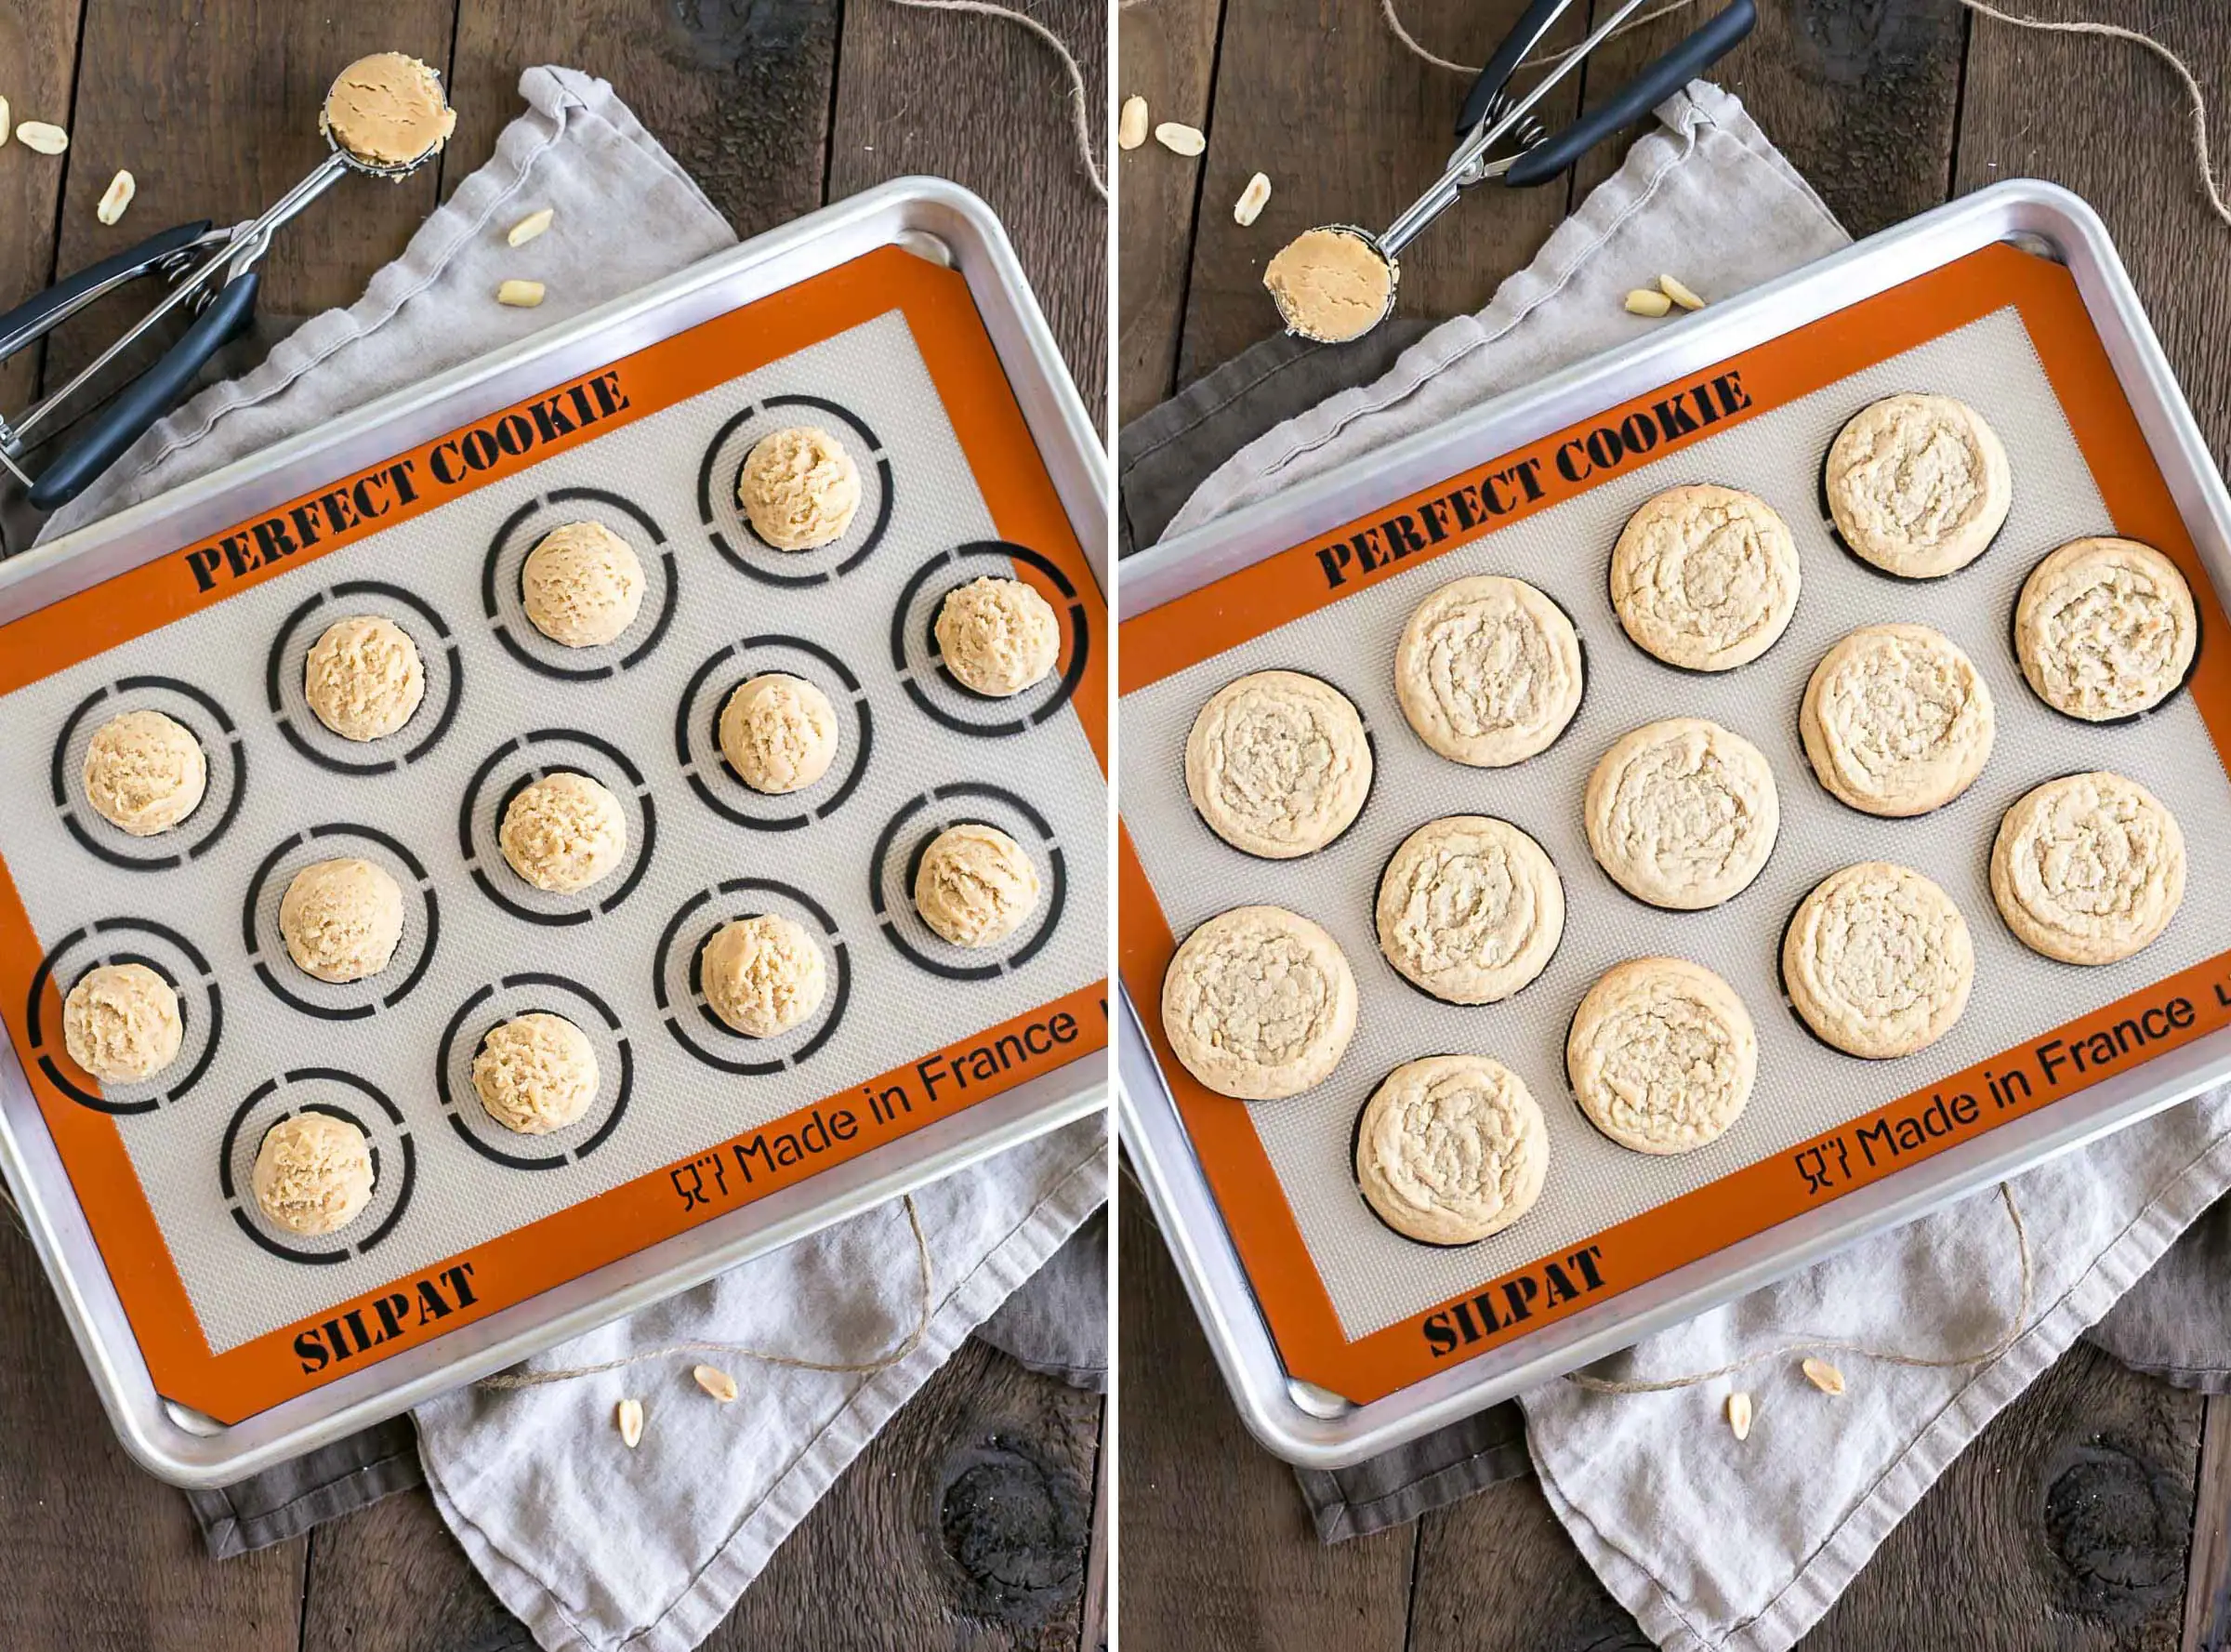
[730,532]
[698,718]
[559,752]
[680,990]
[330,1000]
[171,955]
[319,743]
[947,806]
[199,832]
[336,1094]
[555,995]
[507,615]
[915,656]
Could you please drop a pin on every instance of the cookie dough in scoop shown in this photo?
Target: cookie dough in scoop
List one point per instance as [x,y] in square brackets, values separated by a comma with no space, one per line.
[387,109]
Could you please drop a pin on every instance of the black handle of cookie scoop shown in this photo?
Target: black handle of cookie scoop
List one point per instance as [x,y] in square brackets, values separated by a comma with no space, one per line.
[1523,37]
[1554,155]
[44,312]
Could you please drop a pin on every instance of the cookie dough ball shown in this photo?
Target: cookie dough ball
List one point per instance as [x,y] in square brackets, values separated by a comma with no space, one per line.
[1705,577]
[1330,284]
[363,678]
[564,833]
[2106,628]
[998,637]
[2089,868]
[1259,1003]
[120,1023]
[1661,1055]
[1488,671]
[778,732]
[313,1173]
[1897,721]
[341,920]
[536,1072]
[1451,1149]
[800,489]
[975,885]
[763,975]
[1470,909]
[388,109]
[1878,960]
[1278,764]
[1682,814]
[1918,485]
[582,586]
[144,772]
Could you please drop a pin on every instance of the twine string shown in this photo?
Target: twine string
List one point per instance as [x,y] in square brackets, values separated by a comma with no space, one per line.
[862,1368]
[1079,102]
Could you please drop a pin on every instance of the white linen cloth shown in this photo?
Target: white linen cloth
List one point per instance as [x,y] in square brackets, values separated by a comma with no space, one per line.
[1640,1481]
[592,1545]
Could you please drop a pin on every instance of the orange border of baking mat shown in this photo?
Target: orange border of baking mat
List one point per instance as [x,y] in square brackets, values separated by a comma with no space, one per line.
[509,1268]
[1960,1106]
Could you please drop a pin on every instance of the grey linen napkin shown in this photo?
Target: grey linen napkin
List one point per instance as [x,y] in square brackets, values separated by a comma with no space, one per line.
[1709,198]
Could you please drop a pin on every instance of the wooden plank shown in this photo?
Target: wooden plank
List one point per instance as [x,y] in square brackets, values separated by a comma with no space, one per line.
[1166,54]
[2208,1576]
[99,1553]
[1092,1620]
[988,105]
[38,46]
[1216,1546]
[1537,1592]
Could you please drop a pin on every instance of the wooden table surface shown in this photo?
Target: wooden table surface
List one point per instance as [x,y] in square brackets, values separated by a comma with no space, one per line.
[2094,1512]
[971,1520]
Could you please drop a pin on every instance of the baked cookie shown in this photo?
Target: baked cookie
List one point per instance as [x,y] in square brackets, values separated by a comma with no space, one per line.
[1918,485]
[341,920]
[998,637]
[1897,721]
[778,732]
[1878,960]
[1682,814]
[763,975]
[2088,868]
[1277,763]
[313,1174]
[1705,577]
[1451,1149]
[1661,1054]
[1488,671]
[975,885]
[1259,1003]
[536,1072]
[800,489]
[2104,628]
[363,678]
[144,772]
[120,1023]
[582,586]
[564,833]
[1470,909]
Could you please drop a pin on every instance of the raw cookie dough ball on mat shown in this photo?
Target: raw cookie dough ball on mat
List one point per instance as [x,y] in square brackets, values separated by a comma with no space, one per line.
[778,732]
[998,637]
[536,1072]
[341,920]
[120,1023]
[800,488]
[1451,1149]
[2089,868]
[564,832]
[313,1173]
[1682,814]
[1661,1054]
[144,772]
[582,585]
[1897,721]
[1259,1003]
[1918,485]
[1705,577]
[1488,671]
[763,975]
[1277,763]
[1470,909]
[2104,628]
[364,676]
[975,885]
[1878,960]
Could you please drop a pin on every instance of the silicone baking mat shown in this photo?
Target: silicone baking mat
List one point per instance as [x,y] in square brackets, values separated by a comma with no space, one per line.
[1361,1310]
[691,1120]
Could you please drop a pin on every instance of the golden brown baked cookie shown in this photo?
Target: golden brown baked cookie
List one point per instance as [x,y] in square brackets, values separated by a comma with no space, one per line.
[313,1173]
[120,1023]
[144,772]
[1682,814]
[2104,628]
[1451,1149]
[1259,1003]
[2088,868]
[1705,577]
[1488,670]
[1277,763]
[1878,960]
[1469,908]
[1661,1054]
[1896,719]
[1918,485]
